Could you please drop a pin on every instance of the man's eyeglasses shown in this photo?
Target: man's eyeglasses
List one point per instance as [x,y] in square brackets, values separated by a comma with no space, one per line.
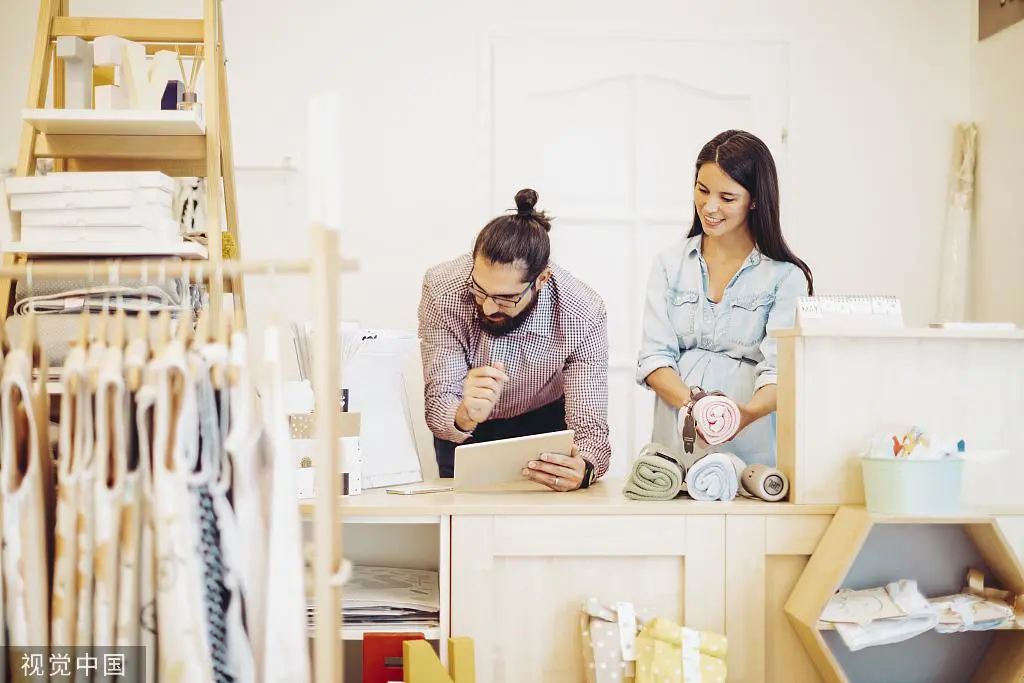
[500,300]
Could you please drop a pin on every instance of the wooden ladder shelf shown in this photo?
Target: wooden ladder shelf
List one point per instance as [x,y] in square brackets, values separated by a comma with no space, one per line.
[179,144]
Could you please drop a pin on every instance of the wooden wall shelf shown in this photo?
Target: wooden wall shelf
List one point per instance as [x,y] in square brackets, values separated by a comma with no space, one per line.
[121,122]
[844,542]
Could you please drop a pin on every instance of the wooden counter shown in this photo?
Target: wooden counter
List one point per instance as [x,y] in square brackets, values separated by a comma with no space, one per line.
[604,498]
[518,565]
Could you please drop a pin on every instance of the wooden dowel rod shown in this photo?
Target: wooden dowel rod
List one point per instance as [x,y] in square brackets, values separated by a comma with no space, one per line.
[153,269]
[327,655]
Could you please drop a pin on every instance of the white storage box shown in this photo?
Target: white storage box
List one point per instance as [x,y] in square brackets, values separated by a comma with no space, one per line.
[92,199]
[155,218]
[149,223]
[122,234]
[57,183]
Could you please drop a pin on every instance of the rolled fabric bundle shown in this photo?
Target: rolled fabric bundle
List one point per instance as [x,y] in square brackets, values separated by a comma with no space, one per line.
[764,482]
[717,418]
[712,416]
[655,475]
[716,476]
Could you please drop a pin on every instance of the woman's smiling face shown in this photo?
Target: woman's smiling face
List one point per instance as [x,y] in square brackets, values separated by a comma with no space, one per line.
[722,203]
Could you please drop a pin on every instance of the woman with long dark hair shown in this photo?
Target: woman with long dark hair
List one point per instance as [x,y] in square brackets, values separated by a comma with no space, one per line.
[713,298]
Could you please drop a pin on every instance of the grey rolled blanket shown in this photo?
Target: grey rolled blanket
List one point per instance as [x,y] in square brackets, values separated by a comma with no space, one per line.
[656,474]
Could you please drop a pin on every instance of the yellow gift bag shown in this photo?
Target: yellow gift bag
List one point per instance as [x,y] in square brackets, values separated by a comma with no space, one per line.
[669,653]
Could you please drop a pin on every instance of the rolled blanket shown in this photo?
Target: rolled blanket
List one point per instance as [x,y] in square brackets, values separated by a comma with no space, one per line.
[716,476]
[655,475]
[712,416]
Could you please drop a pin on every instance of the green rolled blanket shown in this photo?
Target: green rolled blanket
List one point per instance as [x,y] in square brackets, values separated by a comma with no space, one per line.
[655,475]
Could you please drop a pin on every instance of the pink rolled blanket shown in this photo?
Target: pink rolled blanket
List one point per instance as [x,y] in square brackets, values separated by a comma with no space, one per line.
[713,416]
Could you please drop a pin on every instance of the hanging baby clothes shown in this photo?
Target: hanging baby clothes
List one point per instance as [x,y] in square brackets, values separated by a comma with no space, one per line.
[110,466]
[147,618]
[288,660]
[245,448]
[85,459]
[127,630]
[73,412]
[216,594]
[28,500]
[184,651]
[239,651]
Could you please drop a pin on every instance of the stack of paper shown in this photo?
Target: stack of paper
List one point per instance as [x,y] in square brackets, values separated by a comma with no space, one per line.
[372,375]
[389,596]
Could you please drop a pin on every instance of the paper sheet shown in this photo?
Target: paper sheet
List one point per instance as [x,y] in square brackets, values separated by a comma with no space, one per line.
[372,365]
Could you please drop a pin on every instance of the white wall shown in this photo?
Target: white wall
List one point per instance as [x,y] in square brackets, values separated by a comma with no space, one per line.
[868,145]
[861,127]
[997,95]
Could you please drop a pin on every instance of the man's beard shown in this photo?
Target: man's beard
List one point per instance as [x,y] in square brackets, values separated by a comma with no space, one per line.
[501,324]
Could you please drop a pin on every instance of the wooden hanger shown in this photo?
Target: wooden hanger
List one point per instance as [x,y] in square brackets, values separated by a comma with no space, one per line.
[30,338]
[102,336]
[102,325]
[202,331]
[82,340]
[221,377]
[5,342]
[119,322]
[134,376]
[163,320]
[185,325]
[237,326]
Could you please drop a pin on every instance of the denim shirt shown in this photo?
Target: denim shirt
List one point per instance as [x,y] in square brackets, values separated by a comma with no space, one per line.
[720,346]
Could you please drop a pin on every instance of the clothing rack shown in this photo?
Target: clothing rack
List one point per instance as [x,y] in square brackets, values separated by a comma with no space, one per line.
[150,268]
[324,270]
[162,268]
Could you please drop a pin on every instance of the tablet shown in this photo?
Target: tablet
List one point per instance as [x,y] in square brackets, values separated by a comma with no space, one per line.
[499,464]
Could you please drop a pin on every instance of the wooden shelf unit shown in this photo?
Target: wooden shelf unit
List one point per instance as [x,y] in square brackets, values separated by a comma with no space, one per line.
[180,144]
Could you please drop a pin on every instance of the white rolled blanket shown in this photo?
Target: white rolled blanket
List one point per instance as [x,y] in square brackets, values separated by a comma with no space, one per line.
[716,476]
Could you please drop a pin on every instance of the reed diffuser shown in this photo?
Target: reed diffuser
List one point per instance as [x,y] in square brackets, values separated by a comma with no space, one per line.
[189,98]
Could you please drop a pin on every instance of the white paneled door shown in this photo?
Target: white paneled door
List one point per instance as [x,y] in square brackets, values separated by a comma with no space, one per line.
[607,131]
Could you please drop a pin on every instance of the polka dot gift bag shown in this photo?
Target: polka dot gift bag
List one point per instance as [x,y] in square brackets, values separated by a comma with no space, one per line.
[669,653]
[608,633]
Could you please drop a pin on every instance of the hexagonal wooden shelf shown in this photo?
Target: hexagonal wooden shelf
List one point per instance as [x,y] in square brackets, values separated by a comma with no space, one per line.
[839,548]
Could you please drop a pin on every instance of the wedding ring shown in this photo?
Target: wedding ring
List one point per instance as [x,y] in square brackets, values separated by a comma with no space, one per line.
[556,482]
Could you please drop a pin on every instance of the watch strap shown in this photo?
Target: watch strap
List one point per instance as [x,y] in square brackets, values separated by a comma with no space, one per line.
[588,474]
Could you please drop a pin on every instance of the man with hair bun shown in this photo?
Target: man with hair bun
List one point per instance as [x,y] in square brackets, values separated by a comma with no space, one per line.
[514,345]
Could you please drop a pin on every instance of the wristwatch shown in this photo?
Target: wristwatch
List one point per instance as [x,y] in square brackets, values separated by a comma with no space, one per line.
[588,474]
